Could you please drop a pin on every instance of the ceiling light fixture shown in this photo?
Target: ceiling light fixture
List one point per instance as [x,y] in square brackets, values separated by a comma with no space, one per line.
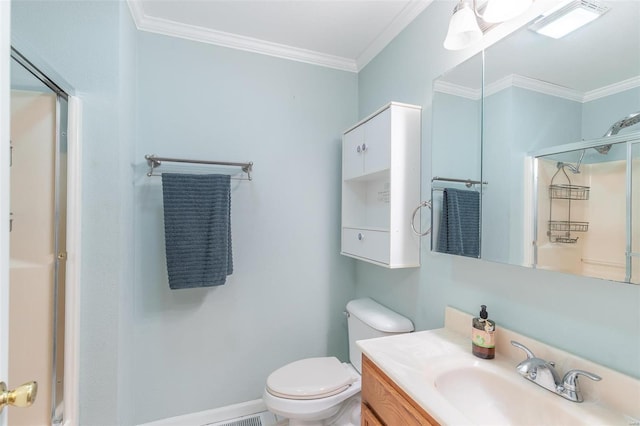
[559,23]
[464,28]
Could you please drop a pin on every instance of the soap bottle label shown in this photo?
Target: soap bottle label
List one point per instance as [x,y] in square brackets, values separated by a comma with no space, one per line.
[484,339]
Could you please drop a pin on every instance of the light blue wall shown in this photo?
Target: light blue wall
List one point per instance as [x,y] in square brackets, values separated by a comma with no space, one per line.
[290,285]
[145,93]
[456,123]
[598,115]
[562,310]
[86,43]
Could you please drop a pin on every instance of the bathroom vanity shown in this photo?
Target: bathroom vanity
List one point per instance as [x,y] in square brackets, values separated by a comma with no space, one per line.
[431,378]
[385,403]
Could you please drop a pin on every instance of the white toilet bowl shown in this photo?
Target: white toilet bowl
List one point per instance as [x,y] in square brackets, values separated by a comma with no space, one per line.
[324,391]
[314,391]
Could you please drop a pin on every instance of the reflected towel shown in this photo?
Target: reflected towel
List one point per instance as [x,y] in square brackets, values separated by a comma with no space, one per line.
[459,231]
[197,228]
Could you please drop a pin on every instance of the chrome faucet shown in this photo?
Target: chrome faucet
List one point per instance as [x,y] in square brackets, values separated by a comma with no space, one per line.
[543,373]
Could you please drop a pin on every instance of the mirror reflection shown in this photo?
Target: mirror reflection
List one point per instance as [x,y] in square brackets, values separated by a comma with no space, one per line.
[584,210]
[456,153]
[563,101]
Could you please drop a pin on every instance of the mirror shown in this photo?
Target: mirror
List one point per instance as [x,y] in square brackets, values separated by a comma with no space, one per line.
[456,154]
[583,210]
[546,101]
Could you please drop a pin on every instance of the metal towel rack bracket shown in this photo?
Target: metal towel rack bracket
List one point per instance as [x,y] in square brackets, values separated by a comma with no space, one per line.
[154,162]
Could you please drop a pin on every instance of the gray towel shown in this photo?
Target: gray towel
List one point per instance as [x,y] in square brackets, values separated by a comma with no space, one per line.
[459,231]
[197,228]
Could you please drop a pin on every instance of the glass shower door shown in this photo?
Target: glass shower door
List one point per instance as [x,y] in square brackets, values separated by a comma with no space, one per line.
[633,208]
[37,241]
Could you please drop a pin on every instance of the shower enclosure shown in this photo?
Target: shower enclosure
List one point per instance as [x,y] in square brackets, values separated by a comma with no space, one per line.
[37,241]
[585,225]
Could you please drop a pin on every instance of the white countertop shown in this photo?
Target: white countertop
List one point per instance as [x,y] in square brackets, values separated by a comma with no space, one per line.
[414,361]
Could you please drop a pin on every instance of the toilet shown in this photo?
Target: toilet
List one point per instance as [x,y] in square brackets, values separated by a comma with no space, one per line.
[324,391]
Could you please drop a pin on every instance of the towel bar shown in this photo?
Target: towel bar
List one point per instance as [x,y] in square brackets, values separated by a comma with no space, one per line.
[154,161]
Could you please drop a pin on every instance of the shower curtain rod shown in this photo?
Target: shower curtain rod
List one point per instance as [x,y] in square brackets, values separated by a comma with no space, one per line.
[467,182]
[154,161]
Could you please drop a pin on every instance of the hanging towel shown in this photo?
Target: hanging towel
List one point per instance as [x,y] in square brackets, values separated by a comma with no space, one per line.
[197,229]
[459,231]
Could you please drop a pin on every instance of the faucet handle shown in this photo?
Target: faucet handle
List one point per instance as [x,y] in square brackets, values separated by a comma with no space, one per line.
[570,380]
[524,348]
[569,387]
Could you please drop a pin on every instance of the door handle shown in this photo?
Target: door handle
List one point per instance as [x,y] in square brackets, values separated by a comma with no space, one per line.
[22,396]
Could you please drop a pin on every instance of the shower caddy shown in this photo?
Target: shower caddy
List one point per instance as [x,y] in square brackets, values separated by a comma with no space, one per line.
[559,231]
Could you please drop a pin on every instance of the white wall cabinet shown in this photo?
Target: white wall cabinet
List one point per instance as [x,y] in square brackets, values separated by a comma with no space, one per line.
[381,187]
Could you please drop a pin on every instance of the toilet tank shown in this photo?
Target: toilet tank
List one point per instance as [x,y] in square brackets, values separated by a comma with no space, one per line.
[368,319]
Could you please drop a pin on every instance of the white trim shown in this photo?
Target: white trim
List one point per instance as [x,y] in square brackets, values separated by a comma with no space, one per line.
[515,80]
[408,14]
[212,416]
[5,137]
[72,295]
[612,89]
[234,41]
[457,90]
[534,85]
[498,86]
[547,88]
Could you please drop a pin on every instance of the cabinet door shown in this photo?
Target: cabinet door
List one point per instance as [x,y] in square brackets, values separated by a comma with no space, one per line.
[352,155]
[368,418]
[391,405]
[377,140]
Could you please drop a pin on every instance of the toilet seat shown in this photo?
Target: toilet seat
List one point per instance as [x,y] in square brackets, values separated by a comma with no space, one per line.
[310,378]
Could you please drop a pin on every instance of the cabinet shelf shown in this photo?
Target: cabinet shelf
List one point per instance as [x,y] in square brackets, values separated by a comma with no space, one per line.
[367,177]
[365,228]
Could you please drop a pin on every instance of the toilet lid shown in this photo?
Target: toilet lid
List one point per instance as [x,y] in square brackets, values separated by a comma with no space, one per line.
[310,378]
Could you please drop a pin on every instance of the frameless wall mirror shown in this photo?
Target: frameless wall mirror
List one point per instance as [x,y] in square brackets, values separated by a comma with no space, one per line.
[456,153]
[555,99]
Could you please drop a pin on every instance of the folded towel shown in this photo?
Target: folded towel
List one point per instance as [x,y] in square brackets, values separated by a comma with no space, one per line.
[197,228]
[459,231]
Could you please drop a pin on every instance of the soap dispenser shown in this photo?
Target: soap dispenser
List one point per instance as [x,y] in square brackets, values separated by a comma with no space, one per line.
[483,335]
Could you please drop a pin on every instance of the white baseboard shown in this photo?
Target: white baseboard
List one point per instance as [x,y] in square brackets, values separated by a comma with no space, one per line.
[212,416]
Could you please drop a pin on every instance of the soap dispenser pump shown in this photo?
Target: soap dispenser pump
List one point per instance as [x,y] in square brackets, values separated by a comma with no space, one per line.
[483,335]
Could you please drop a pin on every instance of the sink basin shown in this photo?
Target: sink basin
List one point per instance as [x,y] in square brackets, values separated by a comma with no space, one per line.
[488,394]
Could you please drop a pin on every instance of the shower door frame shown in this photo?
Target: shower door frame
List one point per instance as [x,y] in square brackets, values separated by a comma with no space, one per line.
[72,296]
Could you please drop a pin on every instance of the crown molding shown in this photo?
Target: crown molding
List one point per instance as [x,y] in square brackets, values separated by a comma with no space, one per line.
[408,14]
[457,90]
[234,41]
[612,89]
[515,80]
[539,86]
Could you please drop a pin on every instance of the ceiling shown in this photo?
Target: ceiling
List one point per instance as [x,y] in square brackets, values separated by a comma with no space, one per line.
[342,34]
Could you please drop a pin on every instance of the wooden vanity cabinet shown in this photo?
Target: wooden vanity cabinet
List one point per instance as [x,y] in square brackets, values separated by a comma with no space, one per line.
[385,404]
